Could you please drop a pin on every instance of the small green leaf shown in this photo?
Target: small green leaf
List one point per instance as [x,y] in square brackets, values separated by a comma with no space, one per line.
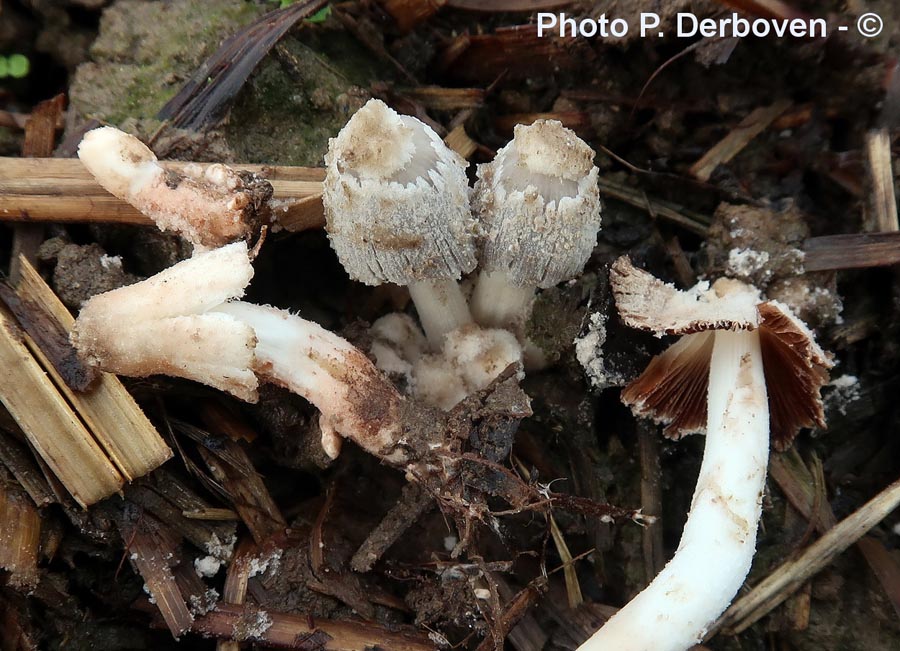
[321,15]
[18,65]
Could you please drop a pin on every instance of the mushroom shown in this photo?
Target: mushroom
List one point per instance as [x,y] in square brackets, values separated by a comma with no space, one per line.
[208,205]
[538,205]
[166,324]
[397,210]
[181,322]
[732,343]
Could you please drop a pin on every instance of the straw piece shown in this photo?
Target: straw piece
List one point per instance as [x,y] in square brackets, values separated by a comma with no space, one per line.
[49,423]
[109,411]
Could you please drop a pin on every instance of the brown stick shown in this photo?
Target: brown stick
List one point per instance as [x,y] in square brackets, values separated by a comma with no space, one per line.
[738,138]
[854,251]
[62,190]
[293,631]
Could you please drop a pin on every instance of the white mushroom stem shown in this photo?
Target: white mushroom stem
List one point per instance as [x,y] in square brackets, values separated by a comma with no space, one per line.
[442,308]
[498,302]
[355,399]
[719,539]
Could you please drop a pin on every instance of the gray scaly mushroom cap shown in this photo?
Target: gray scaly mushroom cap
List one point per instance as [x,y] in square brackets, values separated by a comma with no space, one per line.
[397,200]
[539,206]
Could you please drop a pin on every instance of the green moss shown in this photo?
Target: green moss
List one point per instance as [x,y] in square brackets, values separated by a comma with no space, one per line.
[146,50]
[294,103]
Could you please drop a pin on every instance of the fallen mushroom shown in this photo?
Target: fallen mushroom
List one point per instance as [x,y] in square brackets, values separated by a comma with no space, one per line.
[397,211]
[208,205]
[166,324]
[538,205]
[181,323]
[733,343]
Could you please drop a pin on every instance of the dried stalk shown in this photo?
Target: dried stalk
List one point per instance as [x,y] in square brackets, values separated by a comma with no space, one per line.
[49,422]
[108,410]
[781,583]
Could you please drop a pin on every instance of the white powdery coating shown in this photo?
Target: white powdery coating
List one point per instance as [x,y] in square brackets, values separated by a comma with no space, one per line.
[745,262]
[260,565]
[207,566]
[397,200]
[719,538]
[165,324]
[846,390]
[254,629]
[589,353]
[538,205]
[471,359]
[219,548]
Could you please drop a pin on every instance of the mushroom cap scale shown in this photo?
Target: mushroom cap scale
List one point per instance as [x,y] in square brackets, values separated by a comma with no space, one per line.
[397,201]
[647,303]
[538,203]
[673,388]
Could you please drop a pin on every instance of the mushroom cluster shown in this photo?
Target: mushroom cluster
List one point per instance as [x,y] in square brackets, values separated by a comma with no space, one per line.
[399,210]
[397,206]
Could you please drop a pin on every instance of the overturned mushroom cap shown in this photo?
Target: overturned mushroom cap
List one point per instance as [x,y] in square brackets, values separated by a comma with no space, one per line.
[397,200]
[673,388]
[209,205]
[539,206]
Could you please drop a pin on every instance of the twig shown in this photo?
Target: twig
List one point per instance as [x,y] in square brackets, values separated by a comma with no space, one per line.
[781,583]
[738,138]
[287,631]
[854,251]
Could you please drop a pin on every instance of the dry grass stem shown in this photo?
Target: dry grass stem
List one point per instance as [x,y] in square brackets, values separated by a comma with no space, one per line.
[108,410]
[49,422]
[785,580]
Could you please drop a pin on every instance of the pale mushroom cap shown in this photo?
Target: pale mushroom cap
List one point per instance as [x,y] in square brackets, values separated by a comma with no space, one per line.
[538,204]
[673,388]
[397,200]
